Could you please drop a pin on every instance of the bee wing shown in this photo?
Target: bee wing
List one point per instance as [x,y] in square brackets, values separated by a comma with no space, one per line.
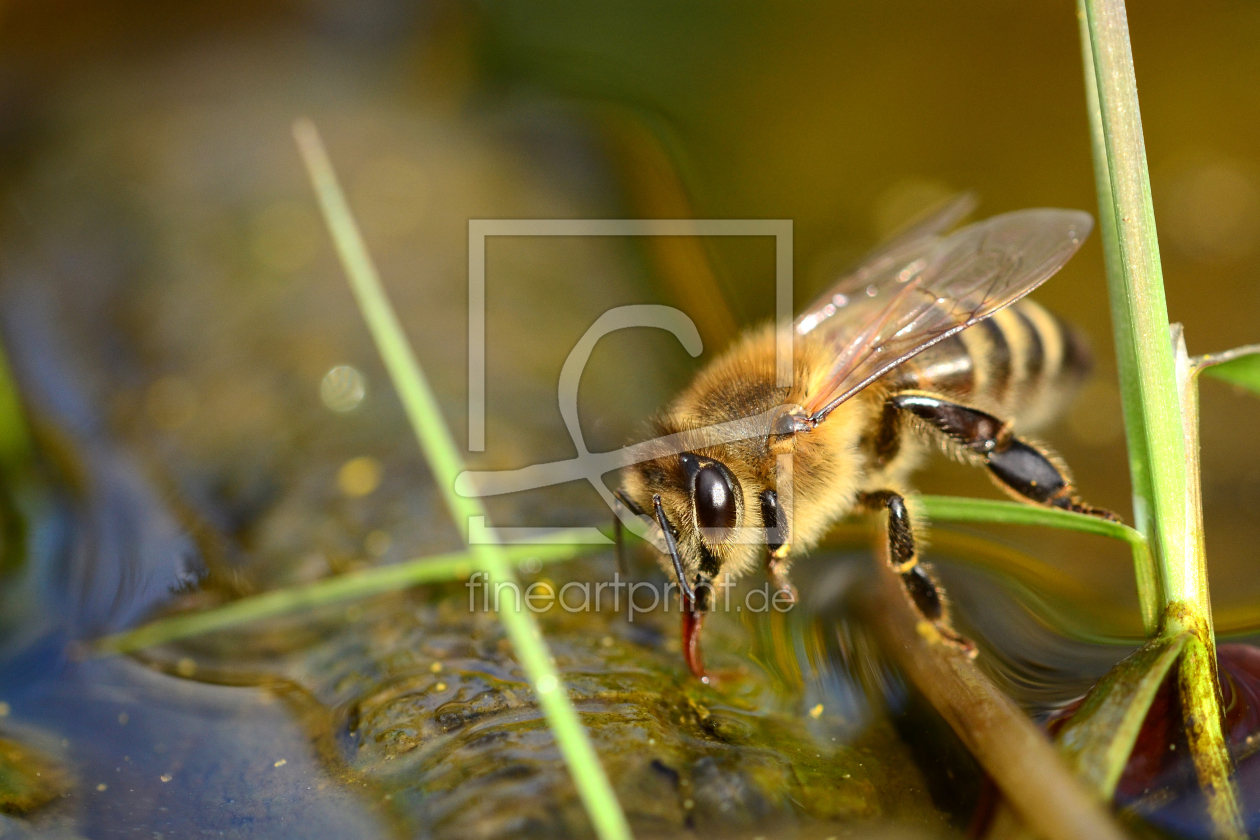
[907,245]
[921,292]
[931,224]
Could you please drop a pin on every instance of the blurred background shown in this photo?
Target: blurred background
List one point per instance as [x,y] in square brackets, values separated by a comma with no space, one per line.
[197,373]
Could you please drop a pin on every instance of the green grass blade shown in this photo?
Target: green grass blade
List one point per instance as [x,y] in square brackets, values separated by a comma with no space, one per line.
[444,460]
[1172,516]
[335,590]
[1099,737]
[963,509]
[1122,327]
[1240,367]
[960,509]
[1141,313]
[457,566]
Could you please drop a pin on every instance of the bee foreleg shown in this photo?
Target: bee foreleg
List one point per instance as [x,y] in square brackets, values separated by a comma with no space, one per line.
[777,547]
[619,531]
[1019,467]
[619,539]
[777,571]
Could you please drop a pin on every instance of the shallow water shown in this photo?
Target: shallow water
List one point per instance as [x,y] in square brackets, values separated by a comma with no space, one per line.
[171,306]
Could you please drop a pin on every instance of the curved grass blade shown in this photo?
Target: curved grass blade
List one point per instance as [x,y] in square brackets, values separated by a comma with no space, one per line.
[961,509]
[1099,738]
[458,565]
[444,460]
[351,586]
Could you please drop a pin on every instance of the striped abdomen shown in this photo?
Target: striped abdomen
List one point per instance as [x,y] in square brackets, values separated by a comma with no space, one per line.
[1020,364]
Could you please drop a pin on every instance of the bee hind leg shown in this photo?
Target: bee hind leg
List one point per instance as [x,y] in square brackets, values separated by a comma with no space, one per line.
[1031,474]
[917,578]
[1026,471]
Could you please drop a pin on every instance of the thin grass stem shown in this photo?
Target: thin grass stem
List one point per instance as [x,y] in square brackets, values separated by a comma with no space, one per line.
[458,565]
[351,586]
[444,460]
[1140,313]
[1160,405]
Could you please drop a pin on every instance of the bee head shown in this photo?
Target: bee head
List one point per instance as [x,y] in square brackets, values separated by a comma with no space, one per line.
[697,504]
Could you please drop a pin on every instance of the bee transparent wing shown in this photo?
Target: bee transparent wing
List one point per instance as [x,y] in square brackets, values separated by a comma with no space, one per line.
[905,246]
[917,294]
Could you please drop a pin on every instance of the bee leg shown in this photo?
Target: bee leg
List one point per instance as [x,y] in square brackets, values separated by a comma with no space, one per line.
[618,538]
[776,570]
[619,531]
[916,577]
[1031,474]
[777,548]
[903,555]
[1019,467]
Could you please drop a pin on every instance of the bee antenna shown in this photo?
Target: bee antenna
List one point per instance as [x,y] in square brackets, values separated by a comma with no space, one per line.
[673,549]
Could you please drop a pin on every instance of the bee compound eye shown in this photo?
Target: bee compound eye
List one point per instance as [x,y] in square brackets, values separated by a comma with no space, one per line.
[715,499]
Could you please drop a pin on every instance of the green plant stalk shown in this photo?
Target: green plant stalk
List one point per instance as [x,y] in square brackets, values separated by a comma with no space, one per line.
[439,449]
[1122,329]
[961,509]
[350,586]
[1198,680]
[1167,455]
[1187,374]
[1140,312]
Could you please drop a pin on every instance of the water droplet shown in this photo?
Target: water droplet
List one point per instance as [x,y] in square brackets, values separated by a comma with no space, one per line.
[871,291]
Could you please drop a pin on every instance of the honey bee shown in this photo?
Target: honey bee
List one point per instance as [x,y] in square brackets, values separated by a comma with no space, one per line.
[928,342]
